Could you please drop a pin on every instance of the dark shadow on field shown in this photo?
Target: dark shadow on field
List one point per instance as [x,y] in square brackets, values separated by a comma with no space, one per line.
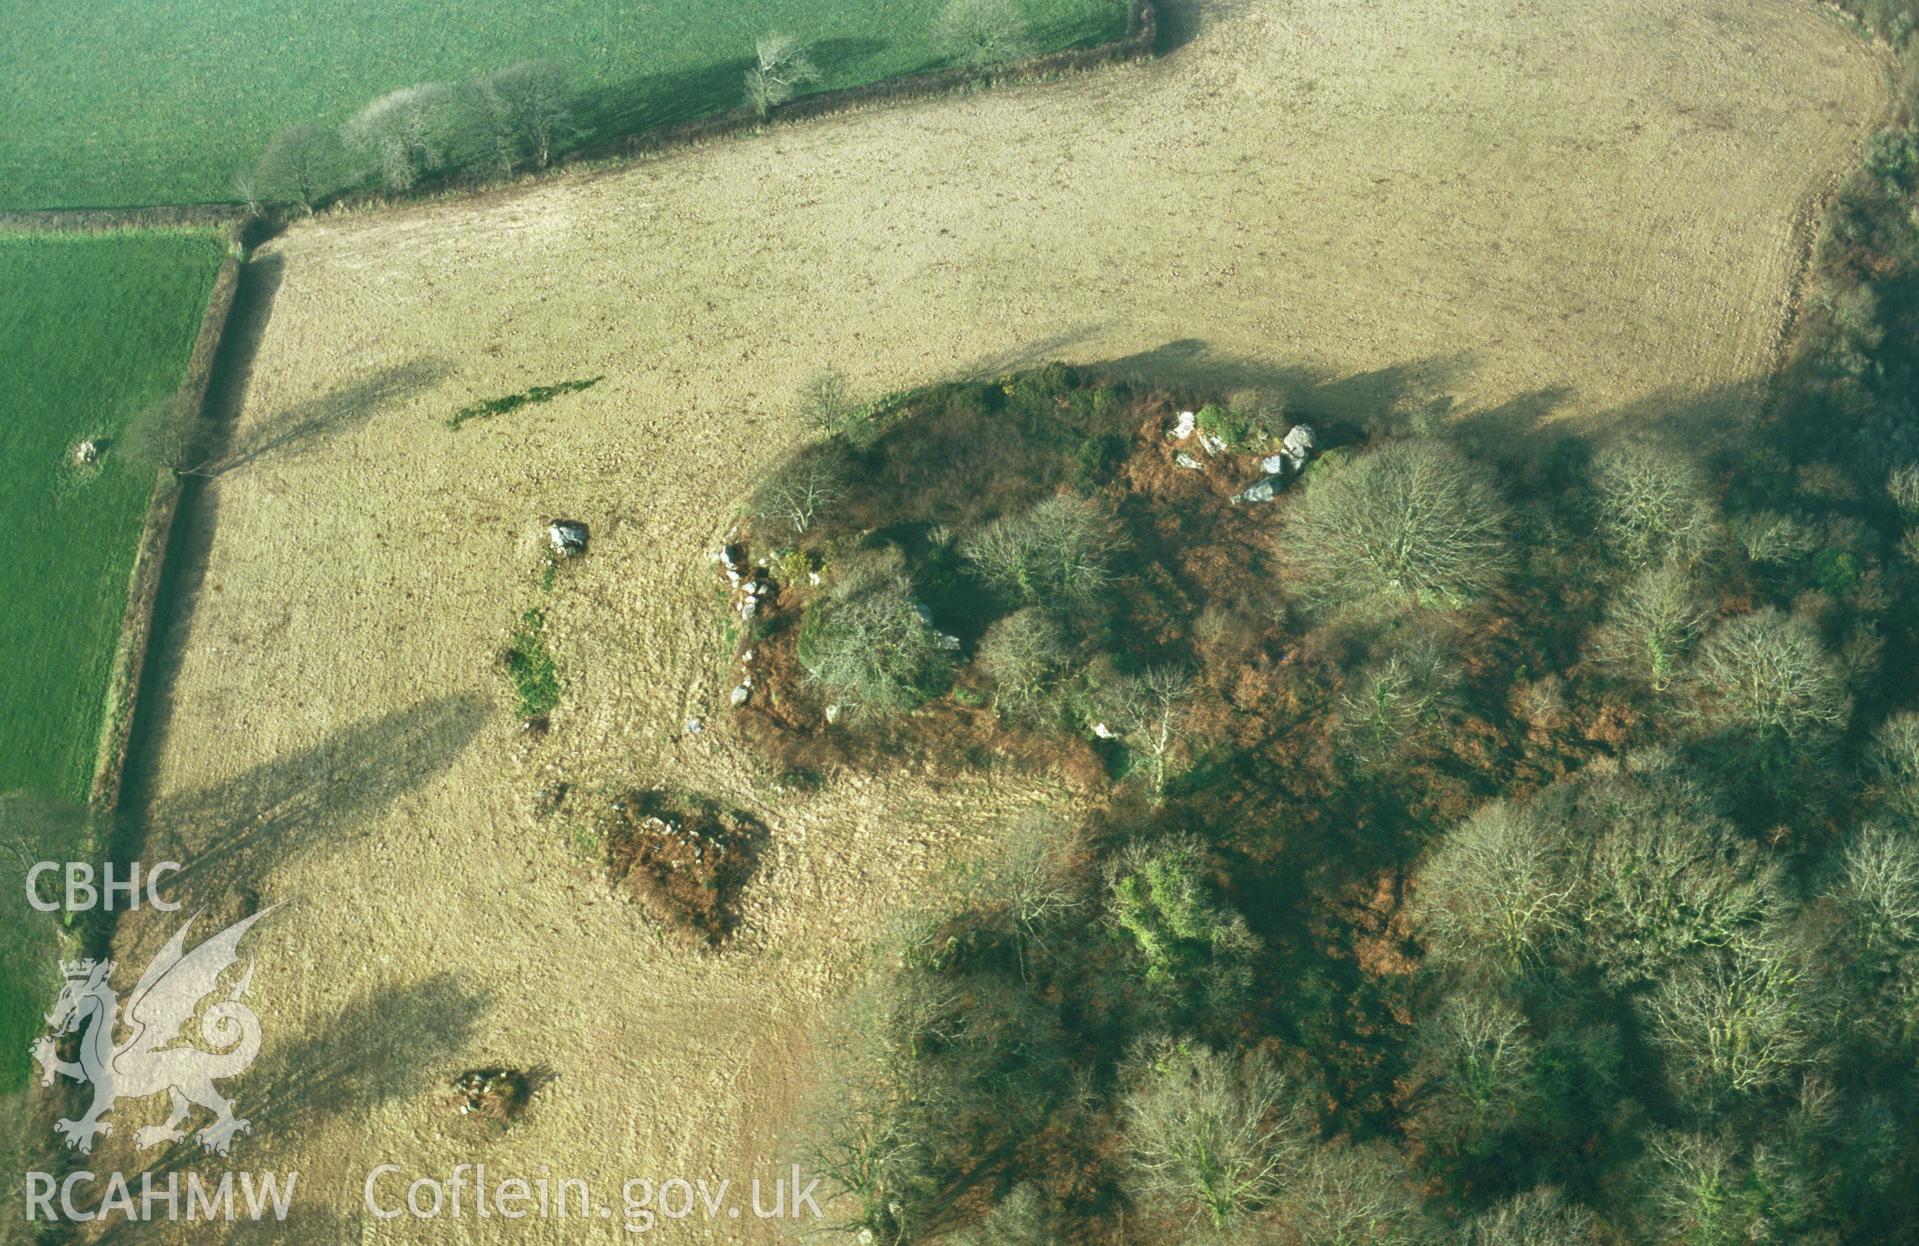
[1031,354]
[1699,421]
[304,426]
[294,431]
[189,543]
[307,1224]
[1182,21]
[387,1045]
[1362,400]
[234,834]
[838,58]
[613,110]
[246,328]
[1390,400]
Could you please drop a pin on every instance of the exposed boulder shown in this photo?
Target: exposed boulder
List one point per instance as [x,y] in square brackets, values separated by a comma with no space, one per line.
[87,453]
[495,1092]
[732,559]
[1299,445]
[1184,427]
[1262,491]
[567,537]
[1188,462]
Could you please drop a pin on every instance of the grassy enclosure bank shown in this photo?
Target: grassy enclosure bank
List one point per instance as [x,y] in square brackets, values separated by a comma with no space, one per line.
[213,80]
[94,328]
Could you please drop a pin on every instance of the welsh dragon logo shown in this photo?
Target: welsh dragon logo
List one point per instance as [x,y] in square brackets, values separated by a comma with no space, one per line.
[149,1061]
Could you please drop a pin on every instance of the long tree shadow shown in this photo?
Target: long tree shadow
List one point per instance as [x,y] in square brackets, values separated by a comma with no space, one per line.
[839,59]
[1368,400]
[305,426]
[246,328]
[237,832]
[1386,401]
[1182,21]
[613,110]
[386,1046]
[1030,354]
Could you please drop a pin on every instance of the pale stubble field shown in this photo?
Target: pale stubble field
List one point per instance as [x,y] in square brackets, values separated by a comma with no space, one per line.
[1587,211]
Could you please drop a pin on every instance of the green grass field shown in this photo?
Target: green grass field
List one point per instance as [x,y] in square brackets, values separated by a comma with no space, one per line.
[92,328]
[137,102]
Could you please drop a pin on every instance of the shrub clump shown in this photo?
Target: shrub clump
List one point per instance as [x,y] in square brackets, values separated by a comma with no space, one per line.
[867,642]
[687,860]
[1059,553]
[530,666]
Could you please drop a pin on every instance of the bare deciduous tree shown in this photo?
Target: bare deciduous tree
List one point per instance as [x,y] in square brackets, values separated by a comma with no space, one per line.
[920,1073]
[1894,764]
[1873,956]
[302,165]
[1348,1195]
[1413,519]
[1767,676]
[1147,711]
[1209,1136]
[1056,554]
[826,401]
[1734,1022]
[1770,537]
[1654,506]
[246,188]
[866,643]
[807,484]
[1539,1217]
[782,65]
[1652,623]
[1022,654]
[1662,877]
[531,105]
[1496,889]
[1475,1056]
[978,33]
[1879,889]
[866,1134]
[1902,486]
[402,135]
[1032,883]
[1396,700]
[1023,1218]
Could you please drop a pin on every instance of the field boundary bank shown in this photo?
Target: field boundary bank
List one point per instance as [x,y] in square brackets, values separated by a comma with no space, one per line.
[132,647]
[115,220]
[149,560]
[1808,222]
[1140,42]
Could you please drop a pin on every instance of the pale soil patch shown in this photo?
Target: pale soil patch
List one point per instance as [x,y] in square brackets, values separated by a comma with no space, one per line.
[1571,209]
